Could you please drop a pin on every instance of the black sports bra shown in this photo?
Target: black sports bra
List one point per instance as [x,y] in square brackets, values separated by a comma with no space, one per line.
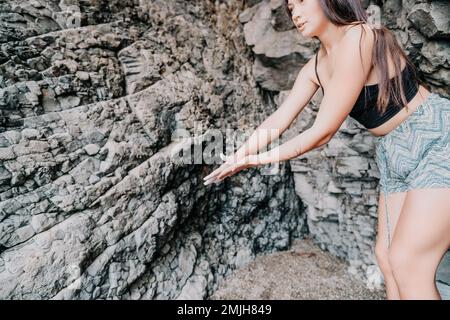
[369,116]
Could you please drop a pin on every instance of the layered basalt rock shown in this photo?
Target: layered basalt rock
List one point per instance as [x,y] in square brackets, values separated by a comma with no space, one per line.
[94,203]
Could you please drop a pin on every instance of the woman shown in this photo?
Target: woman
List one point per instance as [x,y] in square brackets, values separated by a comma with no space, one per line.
[364,73]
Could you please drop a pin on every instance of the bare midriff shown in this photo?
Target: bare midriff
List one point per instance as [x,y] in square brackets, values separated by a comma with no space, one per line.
[403,114]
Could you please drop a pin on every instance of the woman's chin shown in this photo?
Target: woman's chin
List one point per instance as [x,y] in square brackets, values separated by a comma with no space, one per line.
[303,32]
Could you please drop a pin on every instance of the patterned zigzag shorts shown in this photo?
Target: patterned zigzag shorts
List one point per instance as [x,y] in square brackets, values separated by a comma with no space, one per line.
[416,154]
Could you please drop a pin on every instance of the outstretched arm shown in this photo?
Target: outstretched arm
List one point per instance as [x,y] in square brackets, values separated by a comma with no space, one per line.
[271,128]
[343,89]
[348,79]
[349,76]
[307,140]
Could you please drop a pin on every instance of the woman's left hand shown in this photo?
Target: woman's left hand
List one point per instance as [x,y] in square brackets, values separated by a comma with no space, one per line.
[229,168]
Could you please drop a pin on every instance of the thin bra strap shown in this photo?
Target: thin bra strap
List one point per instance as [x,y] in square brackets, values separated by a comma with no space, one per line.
[317,75]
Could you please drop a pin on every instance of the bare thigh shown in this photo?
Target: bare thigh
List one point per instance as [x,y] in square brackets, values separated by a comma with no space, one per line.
[424,224]
[395,206]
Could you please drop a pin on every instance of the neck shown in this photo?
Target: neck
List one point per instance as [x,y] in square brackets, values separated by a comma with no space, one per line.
[331,36]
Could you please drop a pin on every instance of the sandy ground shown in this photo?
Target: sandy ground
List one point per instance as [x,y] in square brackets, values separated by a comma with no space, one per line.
[303,272]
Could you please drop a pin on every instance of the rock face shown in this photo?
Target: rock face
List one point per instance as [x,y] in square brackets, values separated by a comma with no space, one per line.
[94,203]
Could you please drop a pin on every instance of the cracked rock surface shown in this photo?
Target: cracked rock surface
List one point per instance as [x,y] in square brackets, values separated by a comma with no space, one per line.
[93,204]
[93,93]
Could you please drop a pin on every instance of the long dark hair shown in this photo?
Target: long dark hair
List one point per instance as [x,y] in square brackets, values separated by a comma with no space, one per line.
[351,12]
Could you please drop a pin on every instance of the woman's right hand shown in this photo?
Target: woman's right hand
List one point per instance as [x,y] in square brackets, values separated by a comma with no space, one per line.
[228,161]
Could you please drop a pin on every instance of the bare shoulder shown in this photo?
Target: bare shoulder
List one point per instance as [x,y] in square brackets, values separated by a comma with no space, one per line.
[357,38]
[356,35]
[360,34]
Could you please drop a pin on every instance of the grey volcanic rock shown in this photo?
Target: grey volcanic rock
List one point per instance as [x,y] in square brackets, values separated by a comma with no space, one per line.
[278,54]
[432,18]
[94,200]
[62,70]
